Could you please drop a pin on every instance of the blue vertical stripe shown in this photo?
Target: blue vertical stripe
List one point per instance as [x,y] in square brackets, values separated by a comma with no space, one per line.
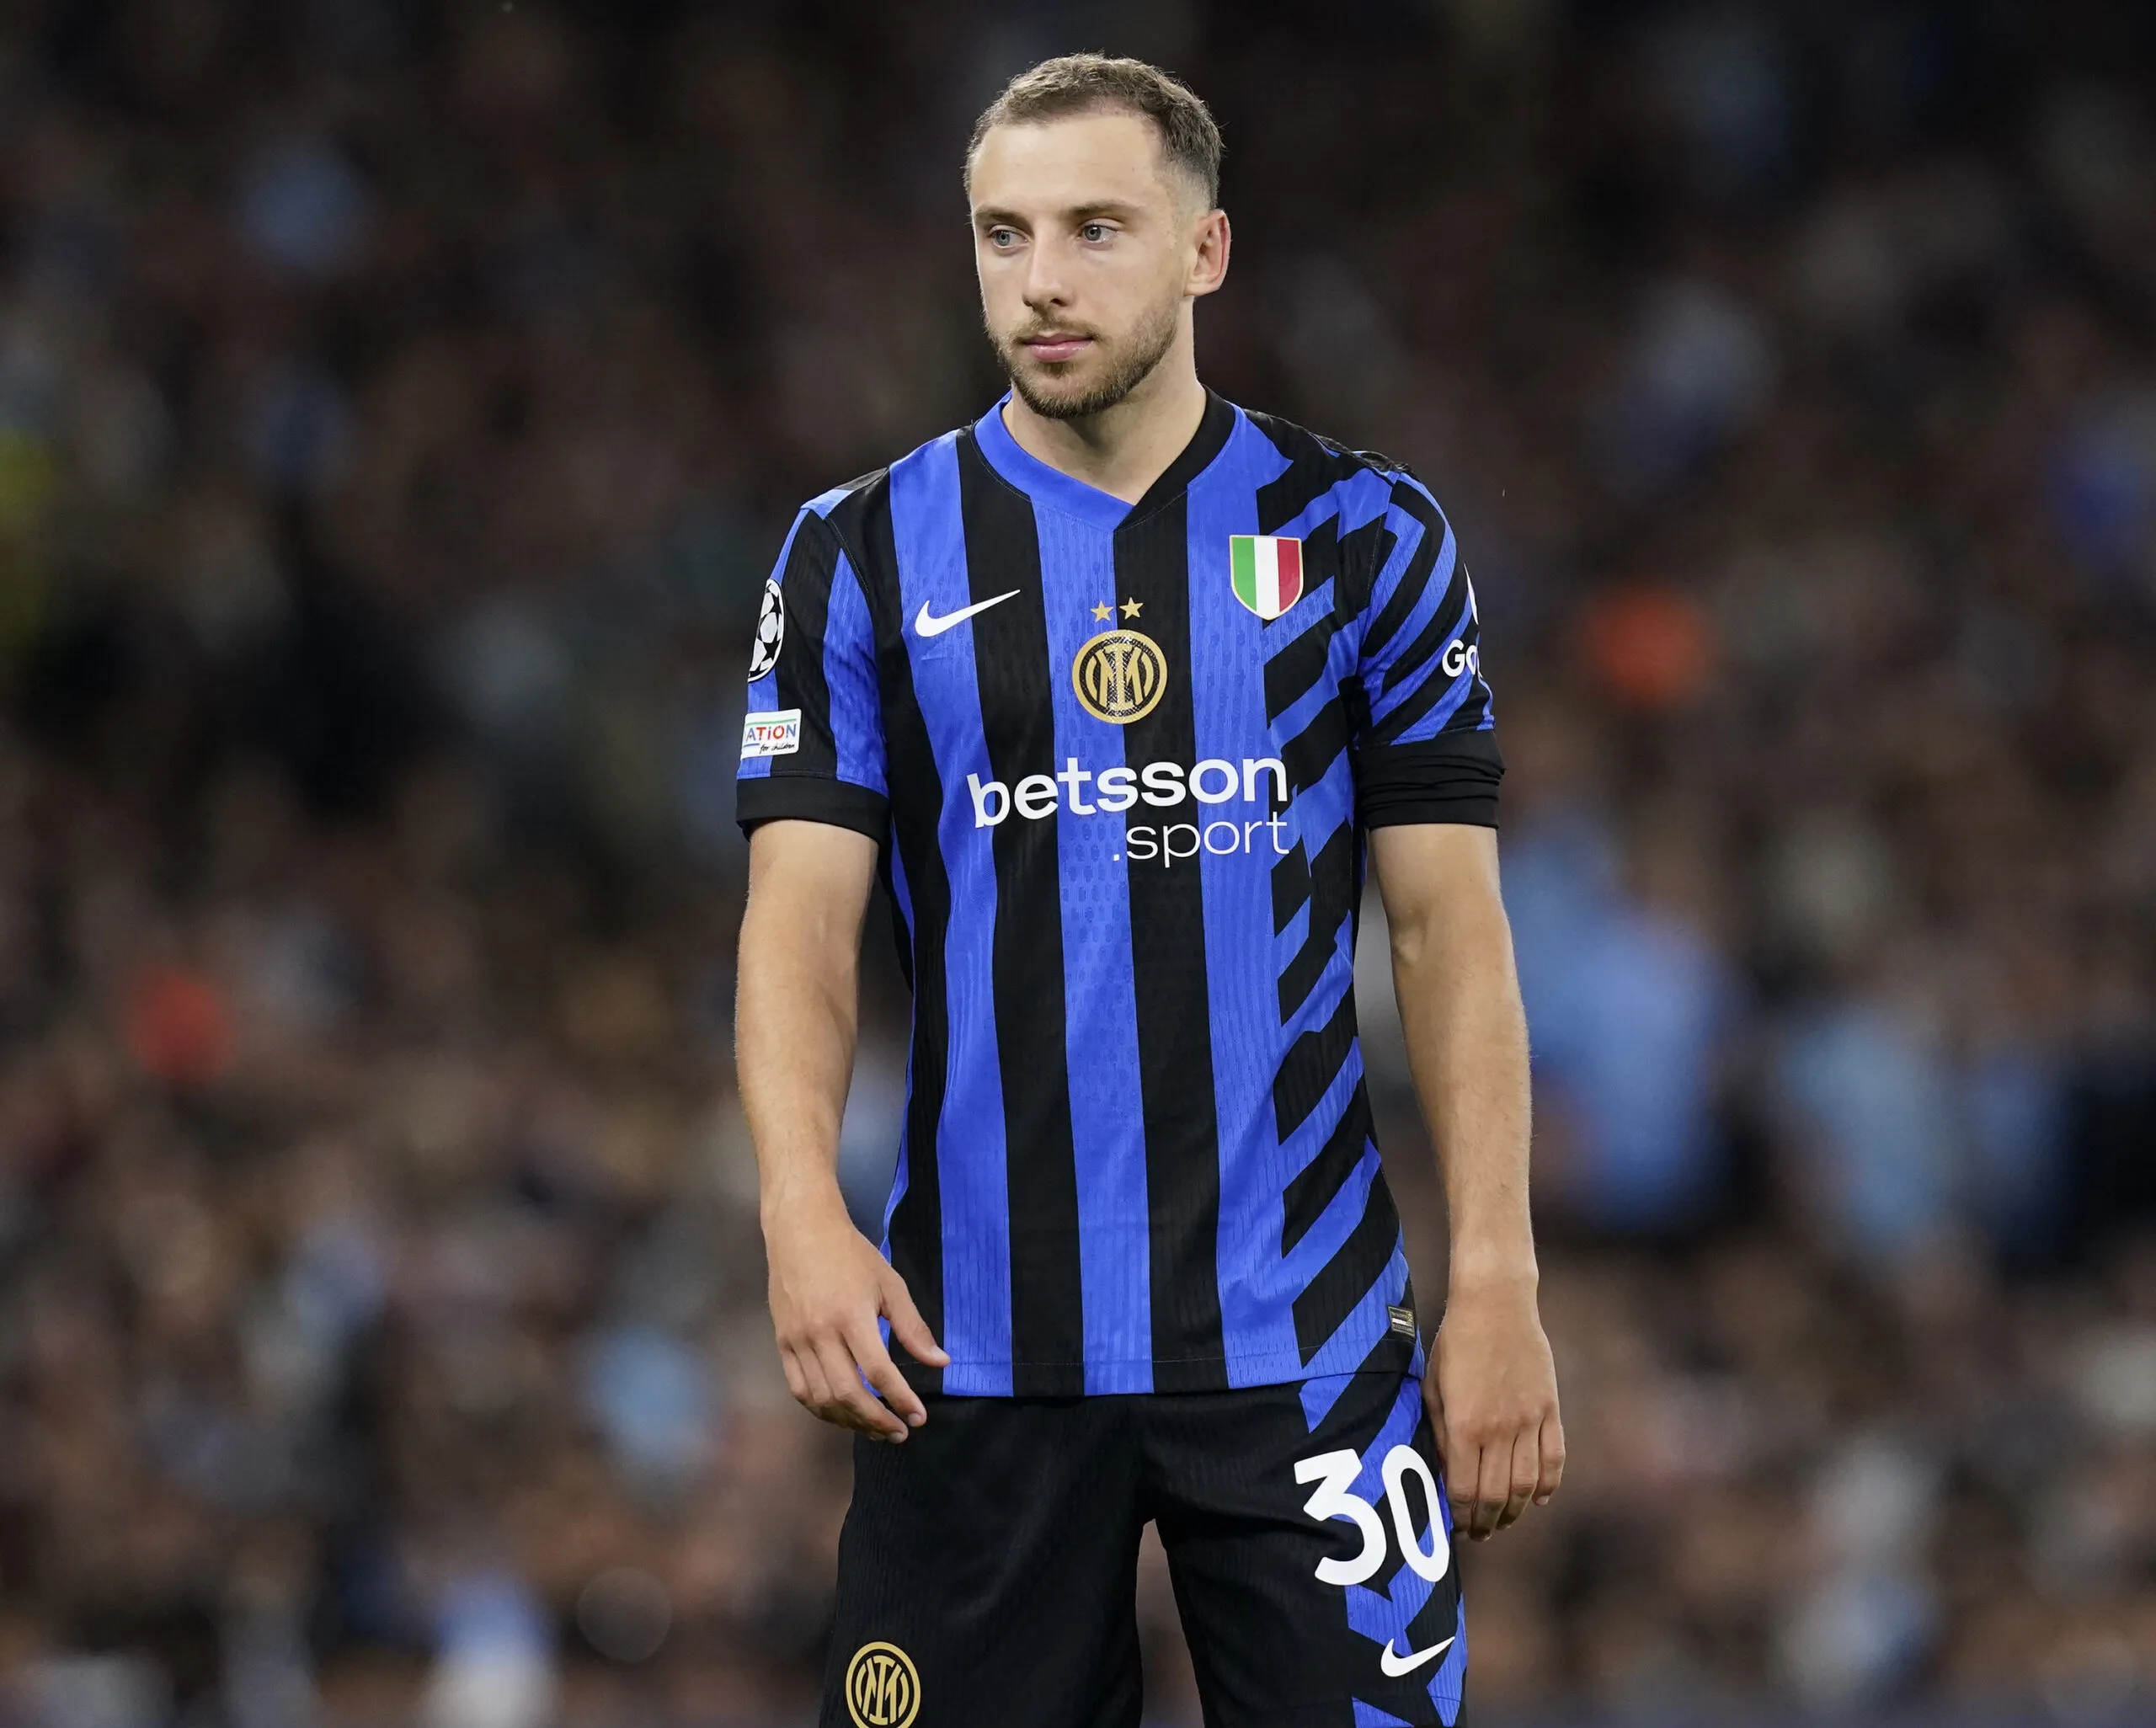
[931,546]
[1101,1015]
[849,675]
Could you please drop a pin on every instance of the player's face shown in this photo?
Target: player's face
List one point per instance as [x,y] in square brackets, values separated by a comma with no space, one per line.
[1089,247]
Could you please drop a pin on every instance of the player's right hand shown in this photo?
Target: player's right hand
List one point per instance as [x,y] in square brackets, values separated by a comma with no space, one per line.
[829,1287]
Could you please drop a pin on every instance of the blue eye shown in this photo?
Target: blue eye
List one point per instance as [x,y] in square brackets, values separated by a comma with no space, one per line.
[1094,231]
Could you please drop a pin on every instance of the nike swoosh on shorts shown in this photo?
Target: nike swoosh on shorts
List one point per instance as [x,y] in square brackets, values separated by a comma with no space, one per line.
[1395,1666]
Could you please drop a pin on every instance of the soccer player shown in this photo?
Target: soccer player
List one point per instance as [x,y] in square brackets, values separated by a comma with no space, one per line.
[1114,689]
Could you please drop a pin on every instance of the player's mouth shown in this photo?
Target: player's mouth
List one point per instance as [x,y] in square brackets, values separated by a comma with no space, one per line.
[1055,346]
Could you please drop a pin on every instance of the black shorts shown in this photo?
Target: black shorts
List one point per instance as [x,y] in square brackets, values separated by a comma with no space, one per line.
[987,1574]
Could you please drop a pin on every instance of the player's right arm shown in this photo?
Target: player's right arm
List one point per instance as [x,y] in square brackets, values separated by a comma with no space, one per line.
[795,1022]
[812,793]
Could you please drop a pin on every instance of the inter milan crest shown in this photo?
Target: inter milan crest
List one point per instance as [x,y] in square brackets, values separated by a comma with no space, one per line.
[1267,570]
[883,1687]
[1119,675]
[770,631]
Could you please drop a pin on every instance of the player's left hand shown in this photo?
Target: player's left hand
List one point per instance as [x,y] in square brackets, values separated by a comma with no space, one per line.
[1493,1400]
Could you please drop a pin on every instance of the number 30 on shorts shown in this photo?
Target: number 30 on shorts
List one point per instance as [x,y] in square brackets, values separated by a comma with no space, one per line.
[1335,1473]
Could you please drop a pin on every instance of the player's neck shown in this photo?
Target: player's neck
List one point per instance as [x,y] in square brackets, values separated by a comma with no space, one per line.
[1124,449]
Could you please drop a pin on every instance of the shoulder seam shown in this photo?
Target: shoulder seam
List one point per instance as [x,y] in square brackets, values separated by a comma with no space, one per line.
[1274,425]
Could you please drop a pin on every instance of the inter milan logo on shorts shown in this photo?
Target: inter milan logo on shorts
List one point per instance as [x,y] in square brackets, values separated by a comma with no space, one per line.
[882,1689]
[770,631]
[1119,675]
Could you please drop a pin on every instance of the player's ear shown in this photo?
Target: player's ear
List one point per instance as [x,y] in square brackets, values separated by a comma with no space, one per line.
[1208,268]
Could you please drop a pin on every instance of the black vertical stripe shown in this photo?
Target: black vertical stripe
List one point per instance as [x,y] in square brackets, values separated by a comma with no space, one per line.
[1011,656]
[916,789]
[1167,952]
[805,590]
[901,925]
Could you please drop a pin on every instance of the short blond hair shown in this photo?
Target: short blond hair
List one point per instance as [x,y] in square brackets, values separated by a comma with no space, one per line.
[1080,84]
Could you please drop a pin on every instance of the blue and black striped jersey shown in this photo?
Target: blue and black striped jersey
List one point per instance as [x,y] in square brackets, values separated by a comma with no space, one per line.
[1120,760]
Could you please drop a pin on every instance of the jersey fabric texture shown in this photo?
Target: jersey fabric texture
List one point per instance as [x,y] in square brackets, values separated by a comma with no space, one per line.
[1121,812]
[987,1566]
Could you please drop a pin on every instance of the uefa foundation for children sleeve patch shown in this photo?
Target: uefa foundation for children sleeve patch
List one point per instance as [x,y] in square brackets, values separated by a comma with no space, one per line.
[777,733]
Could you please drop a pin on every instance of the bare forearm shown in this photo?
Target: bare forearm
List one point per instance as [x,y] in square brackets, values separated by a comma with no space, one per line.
[795,1049]
[1466,1038]
[796,1019]
[1467,1049]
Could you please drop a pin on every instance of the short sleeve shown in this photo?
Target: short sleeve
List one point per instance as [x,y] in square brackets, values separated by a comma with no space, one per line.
[1426,747]
[812,742]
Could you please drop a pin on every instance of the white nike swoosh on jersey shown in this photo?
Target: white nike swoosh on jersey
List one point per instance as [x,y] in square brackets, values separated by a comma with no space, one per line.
[924,624]
[1395,1666]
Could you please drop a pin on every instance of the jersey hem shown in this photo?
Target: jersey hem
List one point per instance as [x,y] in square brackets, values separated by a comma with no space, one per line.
[1103,1379]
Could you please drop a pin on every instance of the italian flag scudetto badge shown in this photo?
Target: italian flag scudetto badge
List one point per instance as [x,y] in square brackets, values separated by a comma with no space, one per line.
[1267,572]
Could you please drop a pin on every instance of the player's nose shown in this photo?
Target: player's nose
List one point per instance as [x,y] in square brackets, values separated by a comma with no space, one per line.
[1044,281]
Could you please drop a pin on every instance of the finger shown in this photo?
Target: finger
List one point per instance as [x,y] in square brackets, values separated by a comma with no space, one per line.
[1462,1479]
[1526,1471]
[884,1376]
[813,1386]
[860,1409]
[794,1382]
[1459,1479]
[833,1367]
[1551,1446]
[907,1325]
[1493,1486]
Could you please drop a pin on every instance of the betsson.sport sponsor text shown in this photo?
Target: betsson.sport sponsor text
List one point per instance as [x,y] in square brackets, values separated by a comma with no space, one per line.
[1256,780]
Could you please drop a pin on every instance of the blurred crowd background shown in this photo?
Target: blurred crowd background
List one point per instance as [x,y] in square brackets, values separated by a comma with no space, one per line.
[400,405]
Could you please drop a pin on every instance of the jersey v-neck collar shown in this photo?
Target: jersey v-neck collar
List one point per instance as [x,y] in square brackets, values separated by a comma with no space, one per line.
[1050,486]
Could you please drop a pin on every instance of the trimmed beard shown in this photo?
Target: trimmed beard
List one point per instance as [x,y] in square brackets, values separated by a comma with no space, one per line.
[1149,345]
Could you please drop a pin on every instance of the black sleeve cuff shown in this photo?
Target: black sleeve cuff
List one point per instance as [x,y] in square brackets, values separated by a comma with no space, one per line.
[1450,778]
[810,798]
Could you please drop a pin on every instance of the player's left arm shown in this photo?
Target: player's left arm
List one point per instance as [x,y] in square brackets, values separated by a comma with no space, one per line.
[1493,1389]
[1427,769]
